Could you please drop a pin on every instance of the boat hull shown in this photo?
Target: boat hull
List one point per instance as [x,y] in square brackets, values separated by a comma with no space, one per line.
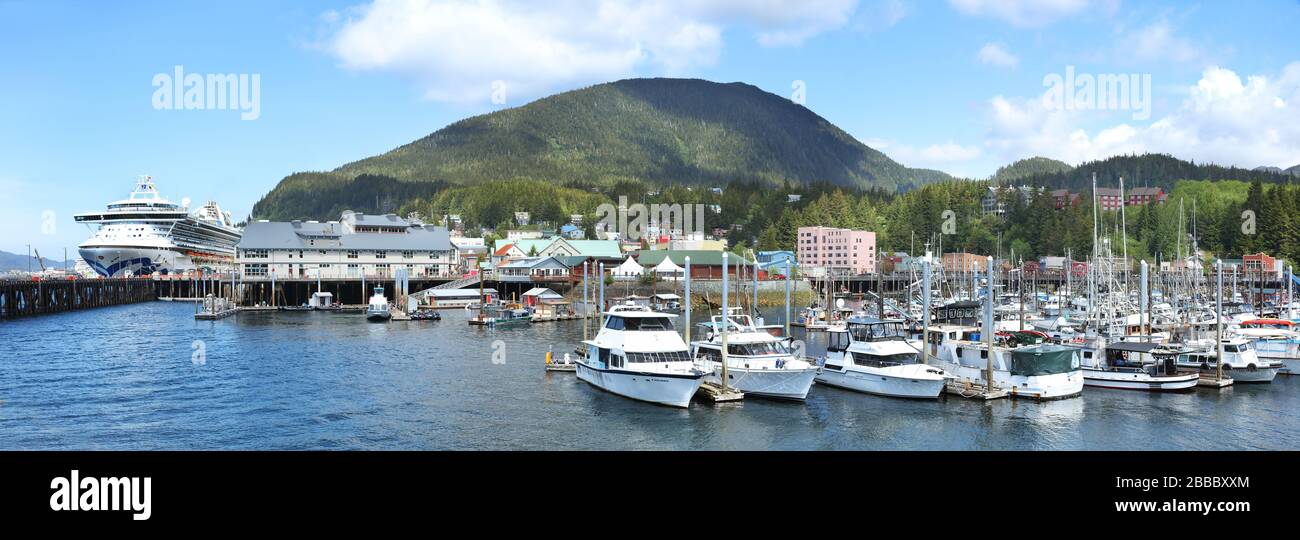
[906,381]
[110,261]
[1139,381]
[1289,365]
[1247,375]
[1055,386]
[378,317]
[772,383]
[673,390]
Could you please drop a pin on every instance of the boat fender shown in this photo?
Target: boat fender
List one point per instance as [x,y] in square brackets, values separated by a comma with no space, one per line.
[548,357]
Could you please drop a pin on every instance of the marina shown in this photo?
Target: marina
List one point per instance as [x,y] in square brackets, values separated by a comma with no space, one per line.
[415,385]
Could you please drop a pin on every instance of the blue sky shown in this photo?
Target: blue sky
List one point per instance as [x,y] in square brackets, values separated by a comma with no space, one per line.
[955,85]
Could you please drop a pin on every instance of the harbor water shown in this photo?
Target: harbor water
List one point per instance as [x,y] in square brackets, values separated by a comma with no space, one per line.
[147,376]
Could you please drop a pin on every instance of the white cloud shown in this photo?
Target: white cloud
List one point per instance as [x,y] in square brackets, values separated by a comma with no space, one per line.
[996,54]
[1028,13]
[949,157]
[1224,119]
[1156,42]
[455,49]
[877,15]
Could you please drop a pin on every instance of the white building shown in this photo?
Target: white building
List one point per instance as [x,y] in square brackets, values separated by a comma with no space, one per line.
[356,245]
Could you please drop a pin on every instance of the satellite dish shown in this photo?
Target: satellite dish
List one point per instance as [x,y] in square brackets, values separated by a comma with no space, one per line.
[185,202]
[839,302]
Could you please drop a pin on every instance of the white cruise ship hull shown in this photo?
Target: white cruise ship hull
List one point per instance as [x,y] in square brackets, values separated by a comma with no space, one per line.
[1120,380]
[671,389]
[773,383]
[109,261]
[905,381]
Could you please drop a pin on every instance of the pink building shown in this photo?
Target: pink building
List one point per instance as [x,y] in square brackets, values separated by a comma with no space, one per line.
[837,248]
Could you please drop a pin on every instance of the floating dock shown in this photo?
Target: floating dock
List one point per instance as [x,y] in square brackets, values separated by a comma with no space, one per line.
[717,394]
[214,315]
[1209,381]
[973,390]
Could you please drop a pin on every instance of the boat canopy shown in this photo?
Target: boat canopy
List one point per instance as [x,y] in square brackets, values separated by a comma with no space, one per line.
[1043,360]
[1268,322]
[1133,346]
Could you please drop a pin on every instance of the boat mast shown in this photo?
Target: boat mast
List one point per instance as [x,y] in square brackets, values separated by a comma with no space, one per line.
[1218,321]
[1123,220]
[988,329]
[724,321]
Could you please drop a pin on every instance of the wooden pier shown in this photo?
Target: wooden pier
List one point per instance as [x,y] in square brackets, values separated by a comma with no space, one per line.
[24,298]
[717,394]
[973,390]
[1210,381]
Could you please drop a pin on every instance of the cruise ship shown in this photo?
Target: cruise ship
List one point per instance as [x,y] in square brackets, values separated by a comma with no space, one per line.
[146,233]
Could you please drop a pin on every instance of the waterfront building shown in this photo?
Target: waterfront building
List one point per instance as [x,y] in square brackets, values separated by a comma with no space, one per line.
[539,295]
[704,264]
[530,269]
[357,245]
[964,262]
[455,298]
[842,249]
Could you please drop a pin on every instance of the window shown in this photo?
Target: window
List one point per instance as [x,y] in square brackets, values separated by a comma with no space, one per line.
[381,254]
[768,348]
[255,270]
[352,254]
[635,324]
[658,357]
[255,254]
[408,254]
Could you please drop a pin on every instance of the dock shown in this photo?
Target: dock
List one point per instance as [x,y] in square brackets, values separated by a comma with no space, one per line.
[973,390]
[398,315]
[717,394]
[1209,381]
[25,298]
[212,316]
[213,308]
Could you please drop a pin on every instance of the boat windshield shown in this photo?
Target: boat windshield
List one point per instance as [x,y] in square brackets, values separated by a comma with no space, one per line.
[635,324]
[658,357]
[876,332]
[766,348]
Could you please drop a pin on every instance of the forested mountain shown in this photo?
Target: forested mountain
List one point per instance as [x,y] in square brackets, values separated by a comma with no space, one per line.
[1154,170]
[656,131]
[1025,168]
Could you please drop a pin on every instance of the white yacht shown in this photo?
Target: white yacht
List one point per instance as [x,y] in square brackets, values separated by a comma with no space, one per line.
[1038,372]
[378,309]
[1275,340]
[638,355]
[146,233]
[873,356]
[1137,365]
[1240,362]
[758,363]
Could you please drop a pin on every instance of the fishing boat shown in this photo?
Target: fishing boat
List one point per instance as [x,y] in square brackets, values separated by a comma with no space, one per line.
[1275,340]
[1034,371]
[1137,365]
[873,356]
[758,363]
[377,310]
[638,355]
[1240,361]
